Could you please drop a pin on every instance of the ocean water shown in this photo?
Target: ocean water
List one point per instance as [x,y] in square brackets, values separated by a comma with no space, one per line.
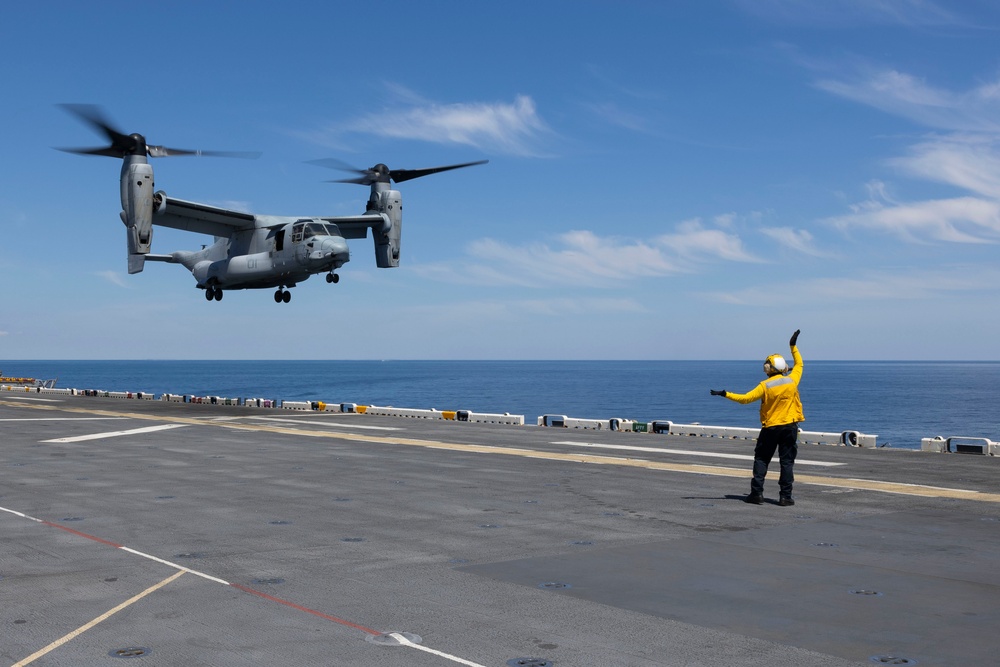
[899,401]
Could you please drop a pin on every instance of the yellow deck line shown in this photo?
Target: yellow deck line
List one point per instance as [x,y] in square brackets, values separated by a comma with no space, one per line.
[922,490]
[103,617]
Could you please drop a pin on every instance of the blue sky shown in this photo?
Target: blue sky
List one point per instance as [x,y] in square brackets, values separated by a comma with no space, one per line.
[667,180]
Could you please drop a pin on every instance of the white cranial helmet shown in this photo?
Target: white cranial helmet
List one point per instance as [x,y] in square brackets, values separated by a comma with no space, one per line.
[775,365]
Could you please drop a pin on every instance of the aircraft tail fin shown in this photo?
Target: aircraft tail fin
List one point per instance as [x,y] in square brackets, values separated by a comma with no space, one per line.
[136,262]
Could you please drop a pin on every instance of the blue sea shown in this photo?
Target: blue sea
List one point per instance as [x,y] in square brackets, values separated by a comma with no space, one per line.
[900,401]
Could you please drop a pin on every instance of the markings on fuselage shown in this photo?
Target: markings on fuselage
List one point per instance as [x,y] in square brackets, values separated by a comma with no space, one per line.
[686,452]
[720,471]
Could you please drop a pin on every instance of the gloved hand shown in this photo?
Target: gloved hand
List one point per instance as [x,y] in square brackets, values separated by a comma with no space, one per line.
[795,337]
[718,392]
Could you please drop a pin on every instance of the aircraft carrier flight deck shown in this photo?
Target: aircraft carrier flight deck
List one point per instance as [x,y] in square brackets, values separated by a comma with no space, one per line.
[176,534]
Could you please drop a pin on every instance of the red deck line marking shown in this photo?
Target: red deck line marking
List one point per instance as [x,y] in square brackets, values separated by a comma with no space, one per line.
[77,532]
[307,610]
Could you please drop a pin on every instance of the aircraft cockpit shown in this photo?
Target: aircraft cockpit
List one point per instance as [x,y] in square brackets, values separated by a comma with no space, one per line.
[303,231]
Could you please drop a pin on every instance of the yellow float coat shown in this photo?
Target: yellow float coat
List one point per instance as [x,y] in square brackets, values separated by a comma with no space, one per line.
[778,395]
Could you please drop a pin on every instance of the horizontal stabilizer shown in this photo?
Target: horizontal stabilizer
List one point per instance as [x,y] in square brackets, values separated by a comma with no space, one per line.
[161,258]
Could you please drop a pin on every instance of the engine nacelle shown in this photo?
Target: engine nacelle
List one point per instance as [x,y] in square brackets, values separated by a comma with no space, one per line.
[137,206]
[387,239]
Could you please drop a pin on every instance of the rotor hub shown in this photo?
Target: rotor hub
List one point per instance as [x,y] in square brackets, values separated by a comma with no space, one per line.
[136,145]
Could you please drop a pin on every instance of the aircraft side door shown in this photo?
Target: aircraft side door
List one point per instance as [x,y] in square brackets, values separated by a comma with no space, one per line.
[281,252]
[301,251]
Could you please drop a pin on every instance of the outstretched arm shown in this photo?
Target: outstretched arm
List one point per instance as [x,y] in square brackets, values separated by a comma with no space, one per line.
[755,394]
[796,357]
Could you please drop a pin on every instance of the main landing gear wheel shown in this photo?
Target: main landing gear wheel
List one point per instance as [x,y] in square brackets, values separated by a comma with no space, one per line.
[332,278]
[282,295]
[213,293]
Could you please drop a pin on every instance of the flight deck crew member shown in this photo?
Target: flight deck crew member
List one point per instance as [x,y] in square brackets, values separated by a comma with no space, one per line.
[780,414]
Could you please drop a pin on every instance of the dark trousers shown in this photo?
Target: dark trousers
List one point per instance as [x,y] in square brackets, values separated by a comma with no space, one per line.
[783,439]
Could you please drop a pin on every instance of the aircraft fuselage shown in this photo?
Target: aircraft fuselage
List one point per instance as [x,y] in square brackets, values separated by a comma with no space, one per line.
[268,257]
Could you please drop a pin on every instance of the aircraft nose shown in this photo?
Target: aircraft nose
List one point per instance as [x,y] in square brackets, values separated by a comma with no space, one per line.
[333,247]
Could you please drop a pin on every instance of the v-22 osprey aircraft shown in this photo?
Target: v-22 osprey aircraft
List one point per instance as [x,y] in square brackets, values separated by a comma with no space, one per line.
[250,251]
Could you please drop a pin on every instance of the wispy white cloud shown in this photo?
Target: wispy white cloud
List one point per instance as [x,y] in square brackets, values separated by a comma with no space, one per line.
[579,258]
[963,153]
[851,13]
[401,94]
[969,162]
[584,259]
[613,114]
[905,95]
[113,277]
[514,128]
[871,287]
[957,220]
[619,85]
[589,306]
[726,220]
[693,242]
[796,240]
[506,310]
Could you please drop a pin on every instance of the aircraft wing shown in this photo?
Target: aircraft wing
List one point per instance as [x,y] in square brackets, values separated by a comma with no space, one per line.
[356,226]
[214,221]
[201,218]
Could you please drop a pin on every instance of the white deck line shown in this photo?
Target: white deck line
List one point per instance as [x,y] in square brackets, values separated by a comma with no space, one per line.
[115,434]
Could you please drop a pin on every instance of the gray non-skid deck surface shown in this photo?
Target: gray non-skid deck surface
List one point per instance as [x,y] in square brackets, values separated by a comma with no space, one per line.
[325,529]
[924,586]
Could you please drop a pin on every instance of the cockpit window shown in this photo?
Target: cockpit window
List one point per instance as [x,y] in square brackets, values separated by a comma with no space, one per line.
[315,229]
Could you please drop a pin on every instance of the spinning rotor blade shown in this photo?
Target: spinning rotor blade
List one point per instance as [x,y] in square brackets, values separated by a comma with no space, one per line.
[131,144]
[163,151]
[367,176]
[121,144]
[381,173]
[400,175]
